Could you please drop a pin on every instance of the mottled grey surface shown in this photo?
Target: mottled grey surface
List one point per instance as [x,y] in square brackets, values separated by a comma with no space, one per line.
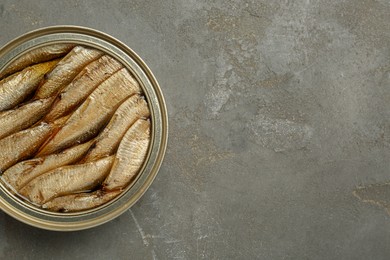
[278,111]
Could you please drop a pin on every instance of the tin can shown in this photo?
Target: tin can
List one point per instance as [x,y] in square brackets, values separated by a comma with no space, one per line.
[40,218]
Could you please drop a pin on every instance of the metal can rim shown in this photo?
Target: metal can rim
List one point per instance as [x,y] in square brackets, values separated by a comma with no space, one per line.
[94,38]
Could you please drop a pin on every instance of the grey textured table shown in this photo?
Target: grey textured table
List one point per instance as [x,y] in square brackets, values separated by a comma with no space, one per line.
[278,111]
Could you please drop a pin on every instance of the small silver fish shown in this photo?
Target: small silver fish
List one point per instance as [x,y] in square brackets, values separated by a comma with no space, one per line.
[12,121]
[81,201]
[66,180]
[130,156]
[15,88]
[94,113]
[82,86]
[68,68]
[107,141]
[38,55]
[23,172]
[22,144]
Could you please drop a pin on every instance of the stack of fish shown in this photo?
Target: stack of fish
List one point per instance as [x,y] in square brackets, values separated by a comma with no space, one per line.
[74,127]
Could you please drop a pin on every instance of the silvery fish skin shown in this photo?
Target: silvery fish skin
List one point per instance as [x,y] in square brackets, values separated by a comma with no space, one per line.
[12,121]
[22,144]
[38,55]
[23,172]
[130,156]
[94,113]
[15,88]
[67,180]
[83,85]
[66,70]
[81,201]
[107,141]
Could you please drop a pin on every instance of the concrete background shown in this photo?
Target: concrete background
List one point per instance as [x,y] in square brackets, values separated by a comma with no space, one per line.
[278,111]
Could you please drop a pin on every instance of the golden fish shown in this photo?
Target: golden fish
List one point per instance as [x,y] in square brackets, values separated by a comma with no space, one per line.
[15,88]
[94,113]
[81,201]
[22,144]
[39,55]
[66,70]
[12,121]
[83,85]
[21,173]
[107,141]
[130,156]
[67,180]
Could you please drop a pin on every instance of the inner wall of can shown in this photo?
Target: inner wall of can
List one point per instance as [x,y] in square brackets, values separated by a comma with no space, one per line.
[75,221]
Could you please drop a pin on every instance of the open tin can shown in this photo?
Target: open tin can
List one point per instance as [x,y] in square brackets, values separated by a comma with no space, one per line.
[35,216]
